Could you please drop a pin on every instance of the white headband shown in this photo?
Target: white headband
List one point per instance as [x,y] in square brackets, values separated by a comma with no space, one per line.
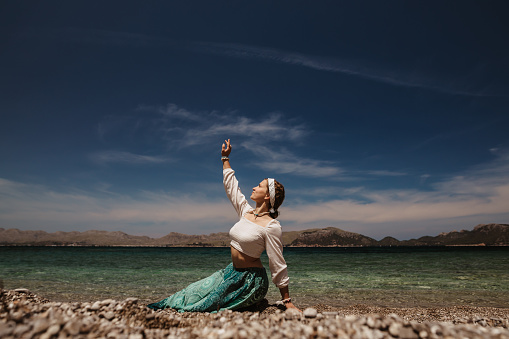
[272,194]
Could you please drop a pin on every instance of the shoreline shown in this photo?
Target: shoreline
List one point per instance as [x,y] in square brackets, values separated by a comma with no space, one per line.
[24,314]
[286,246]
[343,300]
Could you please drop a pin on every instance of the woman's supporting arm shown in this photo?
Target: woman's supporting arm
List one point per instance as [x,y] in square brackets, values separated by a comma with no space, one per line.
[277,263]
[285,294]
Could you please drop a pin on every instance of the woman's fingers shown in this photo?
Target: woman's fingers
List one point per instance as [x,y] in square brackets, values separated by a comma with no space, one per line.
[290,305]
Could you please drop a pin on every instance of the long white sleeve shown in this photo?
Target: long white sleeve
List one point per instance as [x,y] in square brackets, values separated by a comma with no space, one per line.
[274,249]
[231,186]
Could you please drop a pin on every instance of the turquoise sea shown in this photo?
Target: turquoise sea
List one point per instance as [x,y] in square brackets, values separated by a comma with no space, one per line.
[394,276]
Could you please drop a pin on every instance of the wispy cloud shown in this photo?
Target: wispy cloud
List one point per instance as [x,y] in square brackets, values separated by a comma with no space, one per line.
[288,163]
[267,138]
[397,77]
[28,206]
[107,157]
[459,133]
[368,70]
[254,136]
[198,128]
[480,193]
[477,195]
[172,111]
[270,128]
[281,160]
[384,173]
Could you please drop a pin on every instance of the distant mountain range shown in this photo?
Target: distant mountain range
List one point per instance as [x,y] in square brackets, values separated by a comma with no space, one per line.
[481,235]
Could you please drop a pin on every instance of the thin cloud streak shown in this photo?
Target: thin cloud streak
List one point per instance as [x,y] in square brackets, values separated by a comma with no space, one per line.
[327,64]
[172,111]
[197,128]
[384,209]
[479,194]
[397,78]
[382,173]
[271,128]
[287,163]
[32,207]
[182,128]
[107,157]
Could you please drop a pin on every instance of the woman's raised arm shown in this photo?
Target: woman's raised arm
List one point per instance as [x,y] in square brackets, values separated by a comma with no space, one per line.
[231,185]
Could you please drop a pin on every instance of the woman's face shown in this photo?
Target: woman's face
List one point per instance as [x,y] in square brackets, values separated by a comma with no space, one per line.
[260,192]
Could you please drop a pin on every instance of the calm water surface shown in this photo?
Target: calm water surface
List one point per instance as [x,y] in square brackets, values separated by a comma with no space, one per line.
[475,276]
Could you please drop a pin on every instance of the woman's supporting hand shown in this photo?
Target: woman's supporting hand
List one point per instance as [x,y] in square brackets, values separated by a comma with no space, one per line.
[285,294]
[290,305]
[227,148]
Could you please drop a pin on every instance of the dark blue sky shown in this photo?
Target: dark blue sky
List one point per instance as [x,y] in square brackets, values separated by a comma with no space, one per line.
[383,118]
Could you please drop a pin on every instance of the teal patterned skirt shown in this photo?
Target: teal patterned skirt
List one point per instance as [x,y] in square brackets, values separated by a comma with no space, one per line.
[227,289]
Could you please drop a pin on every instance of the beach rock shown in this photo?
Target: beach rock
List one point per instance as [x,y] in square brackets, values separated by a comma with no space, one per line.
[107,302]
[52,330]
[16,316]
[6,329]
[40,325]
[423,334]
[72,327]
[243,334]
[394,329]
[109,315]
[20,330]
[310,312]
[22,290]
[408,333]
[133,320]
[292,313]
[371,322]
[330,314]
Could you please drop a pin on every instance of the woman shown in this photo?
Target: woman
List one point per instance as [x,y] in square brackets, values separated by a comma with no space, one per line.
[244,282]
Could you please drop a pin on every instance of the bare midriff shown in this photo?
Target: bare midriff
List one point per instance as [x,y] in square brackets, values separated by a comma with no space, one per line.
[241,260]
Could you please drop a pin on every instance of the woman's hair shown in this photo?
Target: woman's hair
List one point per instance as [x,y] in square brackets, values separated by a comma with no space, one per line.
[280,196]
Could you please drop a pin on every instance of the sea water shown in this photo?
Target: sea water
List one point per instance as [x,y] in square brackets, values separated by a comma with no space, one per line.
[338,276]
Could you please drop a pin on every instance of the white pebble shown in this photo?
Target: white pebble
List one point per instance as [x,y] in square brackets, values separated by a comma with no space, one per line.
[310,312]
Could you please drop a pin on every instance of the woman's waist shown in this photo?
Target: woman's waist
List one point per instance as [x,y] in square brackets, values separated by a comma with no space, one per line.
[248,249]
[242,260]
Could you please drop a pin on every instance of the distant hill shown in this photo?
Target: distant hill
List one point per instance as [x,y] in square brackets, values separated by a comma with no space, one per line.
[332,236]
[483,235]
[87,238]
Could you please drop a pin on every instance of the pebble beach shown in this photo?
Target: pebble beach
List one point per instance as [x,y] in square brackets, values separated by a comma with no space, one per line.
[23,314]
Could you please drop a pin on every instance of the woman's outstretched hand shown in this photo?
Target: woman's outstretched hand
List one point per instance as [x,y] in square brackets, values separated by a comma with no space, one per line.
[227,148]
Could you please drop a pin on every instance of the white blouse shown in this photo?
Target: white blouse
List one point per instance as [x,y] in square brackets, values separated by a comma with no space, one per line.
[252,239]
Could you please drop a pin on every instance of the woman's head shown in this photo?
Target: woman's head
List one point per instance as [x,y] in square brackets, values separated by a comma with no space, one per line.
[261,194]
[279,196]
